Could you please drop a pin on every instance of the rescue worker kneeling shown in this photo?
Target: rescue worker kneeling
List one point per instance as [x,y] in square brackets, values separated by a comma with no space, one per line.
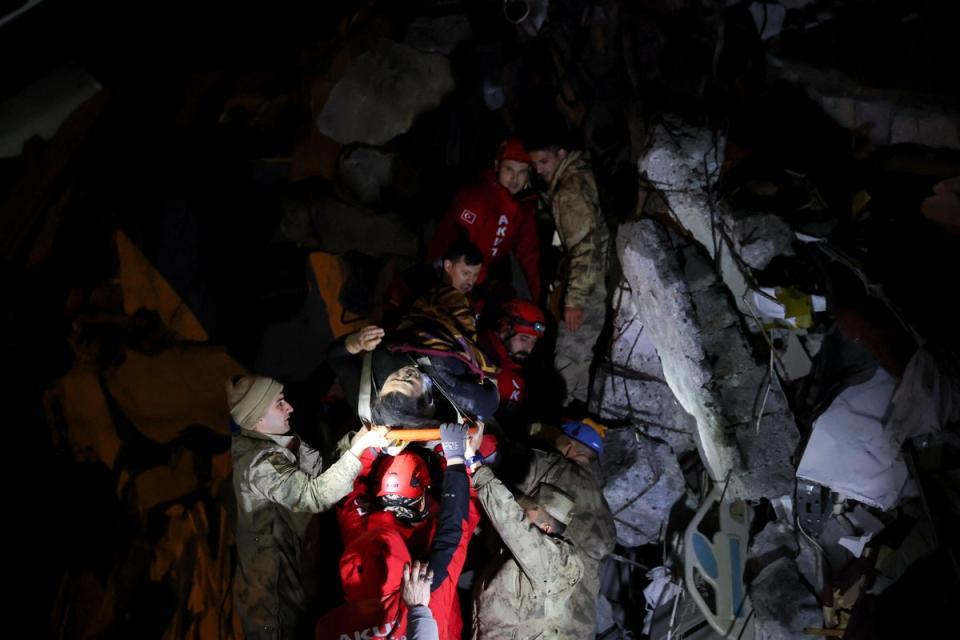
[526,594]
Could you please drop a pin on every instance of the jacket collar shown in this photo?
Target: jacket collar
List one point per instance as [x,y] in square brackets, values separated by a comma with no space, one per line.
[285,440]
[573,157]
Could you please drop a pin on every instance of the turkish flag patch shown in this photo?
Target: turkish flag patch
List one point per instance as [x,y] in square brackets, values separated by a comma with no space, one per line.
[468,216]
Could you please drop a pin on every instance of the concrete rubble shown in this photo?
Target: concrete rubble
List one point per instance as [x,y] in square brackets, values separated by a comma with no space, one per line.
[383,93]
[365,172]
[709,365]
[317,221]
[643,482]
[631,385]
[783,606]
[683,163]
[886,116]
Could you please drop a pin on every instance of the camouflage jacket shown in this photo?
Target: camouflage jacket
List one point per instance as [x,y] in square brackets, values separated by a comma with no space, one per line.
[591,527]
[526,592]
[278,488]
[576,212]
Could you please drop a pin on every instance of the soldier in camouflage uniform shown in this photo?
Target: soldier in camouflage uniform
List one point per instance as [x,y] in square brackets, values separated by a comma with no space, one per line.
[526,592]
[591,525]
[278,485]
[572,195]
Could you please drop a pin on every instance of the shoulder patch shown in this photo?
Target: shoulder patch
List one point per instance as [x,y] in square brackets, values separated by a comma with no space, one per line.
[278,461]
[468,216]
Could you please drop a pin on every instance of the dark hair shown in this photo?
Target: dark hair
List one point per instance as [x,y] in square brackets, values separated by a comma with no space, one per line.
[399,410]
[465,249]
[547,140]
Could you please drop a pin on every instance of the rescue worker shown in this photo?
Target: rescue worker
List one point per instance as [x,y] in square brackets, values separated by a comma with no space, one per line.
[278,485]
[459,268]
[526,592]
[580,294]
[498,214]
[571,467]
[519,326]
[401,522]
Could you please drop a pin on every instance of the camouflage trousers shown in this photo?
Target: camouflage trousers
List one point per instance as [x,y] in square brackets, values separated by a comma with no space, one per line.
[575,348]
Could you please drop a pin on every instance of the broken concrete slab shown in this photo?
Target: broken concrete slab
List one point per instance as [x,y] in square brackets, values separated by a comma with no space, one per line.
[708,366]
[631,347]
[698,271]
[767,453]
[726,350]
[834,528]
[317,221]
[783,606]
[762,237]
[442,34]
[726,317]
[365,172]
[774,541]
[383,92]
[810,564]
[743,392]
[664,302]
[683,162]
[643,480]
[163,394]
[885,115]
[631,385]
[650,406]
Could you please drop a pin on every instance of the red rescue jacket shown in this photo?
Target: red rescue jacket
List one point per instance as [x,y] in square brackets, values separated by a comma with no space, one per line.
[510,380]
[497,223]
[442,538]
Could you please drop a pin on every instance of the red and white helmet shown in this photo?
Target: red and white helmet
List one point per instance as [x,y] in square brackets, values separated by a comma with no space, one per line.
[405,475]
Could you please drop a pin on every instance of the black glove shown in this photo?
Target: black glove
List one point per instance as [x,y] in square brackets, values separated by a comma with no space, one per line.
[453,438]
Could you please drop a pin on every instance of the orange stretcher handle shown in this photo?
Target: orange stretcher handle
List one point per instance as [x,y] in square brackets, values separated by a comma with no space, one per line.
[420,435]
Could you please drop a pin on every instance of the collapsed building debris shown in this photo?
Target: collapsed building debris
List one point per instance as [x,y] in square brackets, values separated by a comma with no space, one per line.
[383,92]
[710,371]
[728,326]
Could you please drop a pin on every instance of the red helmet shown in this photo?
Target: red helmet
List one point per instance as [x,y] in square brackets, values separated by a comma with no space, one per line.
[524,317]
[405,475]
